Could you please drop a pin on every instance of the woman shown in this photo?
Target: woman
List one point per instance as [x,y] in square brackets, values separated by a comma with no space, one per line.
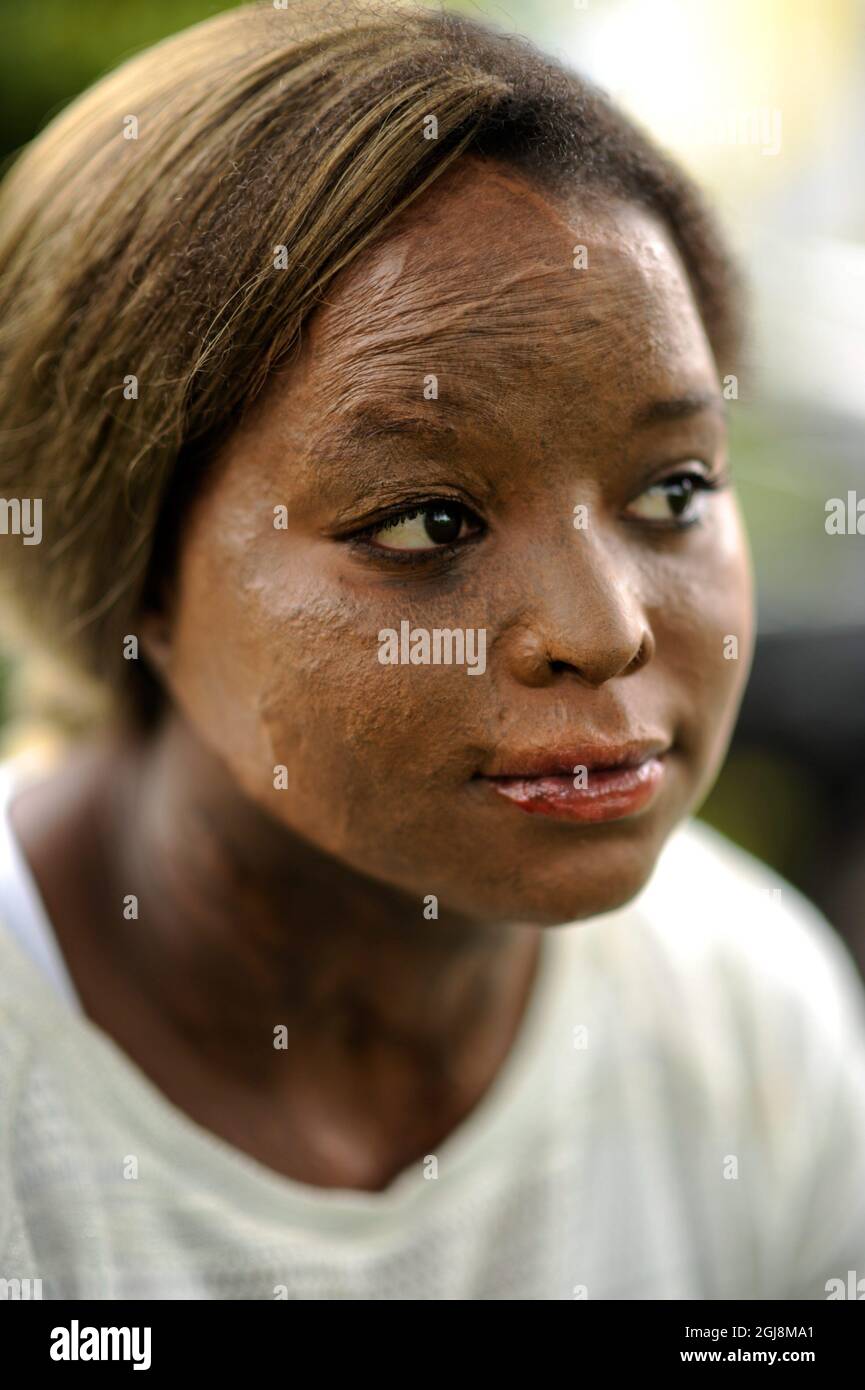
[370,370]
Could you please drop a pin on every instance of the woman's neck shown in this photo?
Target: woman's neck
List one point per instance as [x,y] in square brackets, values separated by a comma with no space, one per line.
[218,946]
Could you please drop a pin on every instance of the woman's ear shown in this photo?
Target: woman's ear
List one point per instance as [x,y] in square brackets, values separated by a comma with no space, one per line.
[154,634]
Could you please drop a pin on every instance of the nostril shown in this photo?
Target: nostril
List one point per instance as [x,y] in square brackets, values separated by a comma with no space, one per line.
[641,658]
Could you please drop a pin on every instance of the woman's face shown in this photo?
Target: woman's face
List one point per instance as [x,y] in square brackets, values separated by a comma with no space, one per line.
[477,369]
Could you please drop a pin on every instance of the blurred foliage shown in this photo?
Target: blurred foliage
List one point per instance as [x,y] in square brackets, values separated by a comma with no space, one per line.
[768,803]
[50,50]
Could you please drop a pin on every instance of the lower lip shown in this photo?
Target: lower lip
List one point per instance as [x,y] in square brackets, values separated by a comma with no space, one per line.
[611,794]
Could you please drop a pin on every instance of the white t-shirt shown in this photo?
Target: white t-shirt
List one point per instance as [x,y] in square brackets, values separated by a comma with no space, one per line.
[682,1117]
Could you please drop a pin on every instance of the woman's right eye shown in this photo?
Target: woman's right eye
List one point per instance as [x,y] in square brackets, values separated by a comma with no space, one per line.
[428,527]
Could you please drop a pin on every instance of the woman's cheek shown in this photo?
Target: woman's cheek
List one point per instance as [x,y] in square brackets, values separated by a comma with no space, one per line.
[355,744]
[731,598]
[707,643]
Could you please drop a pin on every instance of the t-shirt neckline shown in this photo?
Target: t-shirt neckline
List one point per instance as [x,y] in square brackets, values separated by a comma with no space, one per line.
[199,1151]
[501,1113]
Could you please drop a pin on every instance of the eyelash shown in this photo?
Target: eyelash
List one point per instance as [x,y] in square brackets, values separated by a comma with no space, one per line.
[703,482]
[360,540]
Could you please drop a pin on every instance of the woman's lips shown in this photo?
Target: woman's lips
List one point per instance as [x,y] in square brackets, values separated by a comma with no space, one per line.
[616,786]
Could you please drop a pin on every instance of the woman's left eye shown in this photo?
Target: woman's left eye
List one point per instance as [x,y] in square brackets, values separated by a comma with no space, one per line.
[427,527]
[679,499]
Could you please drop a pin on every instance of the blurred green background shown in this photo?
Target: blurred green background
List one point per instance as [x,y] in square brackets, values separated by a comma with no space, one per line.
[764,102]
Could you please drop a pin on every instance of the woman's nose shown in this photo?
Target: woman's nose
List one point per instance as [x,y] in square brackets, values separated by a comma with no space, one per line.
[582,618]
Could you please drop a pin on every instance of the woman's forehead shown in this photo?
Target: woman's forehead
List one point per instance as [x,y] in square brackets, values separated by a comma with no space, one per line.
[477,313]
[479,275]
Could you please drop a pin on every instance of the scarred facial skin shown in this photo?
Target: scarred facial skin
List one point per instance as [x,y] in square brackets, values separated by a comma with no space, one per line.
[610,633]
[476,362]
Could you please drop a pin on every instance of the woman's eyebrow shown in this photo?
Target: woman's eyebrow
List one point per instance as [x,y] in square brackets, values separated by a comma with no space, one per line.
[369,421]
[678,408]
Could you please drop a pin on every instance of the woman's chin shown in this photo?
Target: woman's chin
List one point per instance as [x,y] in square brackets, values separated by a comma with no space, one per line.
[557,909]
[548,895]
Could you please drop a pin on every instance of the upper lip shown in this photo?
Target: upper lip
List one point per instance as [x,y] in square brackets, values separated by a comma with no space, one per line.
[561,762]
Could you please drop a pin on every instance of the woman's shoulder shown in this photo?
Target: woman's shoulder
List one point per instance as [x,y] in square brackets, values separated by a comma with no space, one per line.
[31,1011]
[722,969]
[733,949]
[708,897]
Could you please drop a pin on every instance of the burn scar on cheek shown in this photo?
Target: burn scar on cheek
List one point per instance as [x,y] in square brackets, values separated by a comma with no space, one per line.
[346,728]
